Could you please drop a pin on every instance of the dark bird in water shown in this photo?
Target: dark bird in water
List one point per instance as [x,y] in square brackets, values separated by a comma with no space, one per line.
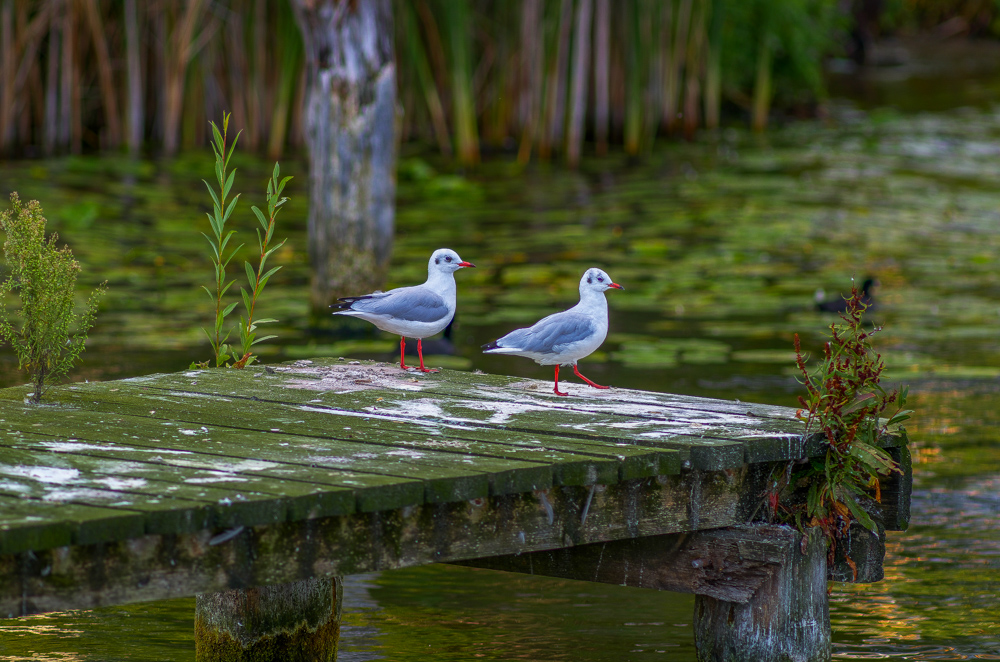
[839,304]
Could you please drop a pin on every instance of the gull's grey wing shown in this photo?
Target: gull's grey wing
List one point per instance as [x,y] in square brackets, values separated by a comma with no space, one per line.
[413,304]
[550,334]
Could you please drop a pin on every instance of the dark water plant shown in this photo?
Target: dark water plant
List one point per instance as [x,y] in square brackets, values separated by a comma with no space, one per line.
[43,277]
[844,403]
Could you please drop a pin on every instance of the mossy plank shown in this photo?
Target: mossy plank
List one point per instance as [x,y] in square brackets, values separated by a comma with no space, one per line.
[172,442]
[259,380]
[444,476]
[27,523]
[166,507]
[449,475]
[70,476]
[713,438]
[704,453]
[158,567]
[635,461]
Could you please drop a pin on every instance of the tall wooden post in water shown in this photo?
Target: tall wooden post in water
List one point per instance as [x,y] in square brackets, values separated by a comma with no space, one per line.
[350,126]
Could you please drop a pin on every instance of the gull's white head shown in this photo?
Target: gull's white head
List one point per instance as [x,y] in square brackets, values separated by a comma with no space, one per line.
[447,261]
[597,280]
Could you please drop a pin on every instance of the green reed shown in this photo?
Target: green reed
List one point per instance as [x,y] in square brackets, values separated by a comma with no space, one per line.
[219,241]
[258,279]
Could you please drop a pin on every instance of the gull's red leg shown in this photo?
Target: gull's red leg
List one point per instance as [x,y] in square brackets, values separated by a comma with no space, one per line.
[556,389]
[420,353]
[577,371]
[402,352]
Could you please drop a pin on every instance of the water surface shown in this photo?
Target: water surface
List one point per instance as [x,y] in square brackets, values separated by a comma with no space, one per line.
[722,246]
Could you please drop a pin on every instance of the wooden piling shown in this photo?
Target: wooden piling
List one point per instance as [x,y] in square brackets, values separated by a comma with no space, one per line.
[280,623]
[786,619]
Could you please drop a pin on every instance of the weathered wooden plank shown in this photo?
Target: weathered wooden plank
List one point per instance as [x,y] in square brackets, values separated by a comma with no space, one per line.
[709,432]
[866,551]
[704,453]
[225,498]
[161,566]
[342,375]
[169,442]
[175,463]
[445,476]
[35,524]
[897,488]
[448,475]
[726,566]
[573,462]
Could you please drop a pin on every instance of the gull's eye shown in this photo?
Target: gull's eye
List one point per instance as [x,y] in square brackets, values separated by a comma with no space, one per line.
[600,279]
[447,258]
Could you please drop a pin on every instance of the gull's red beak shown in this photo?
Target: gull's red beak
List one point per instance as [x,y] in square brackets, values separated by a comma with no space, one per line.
[616,286]
[466,264]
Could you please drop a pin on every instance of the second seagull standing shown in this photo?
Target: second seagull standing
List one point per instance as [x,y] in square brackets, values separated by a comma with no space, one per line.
[565,338]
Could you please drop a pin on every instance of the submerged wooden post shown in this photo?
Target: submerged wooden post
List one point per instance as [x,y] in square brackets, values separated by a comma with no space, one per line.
[787,617]
[281,623]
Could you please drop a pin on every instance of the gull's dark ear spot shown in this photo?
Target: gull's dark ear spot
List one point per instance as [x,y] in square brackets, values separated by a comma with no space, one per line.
[437,260]
[590,279]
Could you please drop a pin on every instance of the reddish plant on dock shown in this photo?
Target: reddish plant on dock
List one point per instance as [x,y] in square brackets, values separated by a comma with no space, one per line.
[844,402]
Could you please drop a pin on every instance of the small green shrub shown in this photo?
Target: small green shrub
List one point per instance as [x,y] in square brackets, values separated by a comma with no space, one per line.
[44,279]
[844,402]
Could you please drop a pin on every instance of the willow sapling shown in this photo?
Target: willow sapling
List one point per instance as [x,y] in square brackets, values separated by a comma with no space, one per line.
[258,279]
[44,279]
[220,238]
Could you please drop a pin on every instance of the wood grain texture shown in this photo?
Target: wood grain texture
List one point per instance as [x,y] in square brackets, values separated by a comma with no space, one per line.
[788,617]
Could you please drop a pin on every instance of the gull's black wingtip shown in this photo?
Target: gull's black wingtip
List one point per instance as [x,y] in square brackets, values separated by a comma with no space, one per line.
[345,303]
[490,345]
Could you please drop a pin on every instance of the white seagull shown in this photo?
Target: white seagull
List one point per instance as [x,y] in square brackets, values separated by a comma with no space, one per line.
[565,338]
[416,312]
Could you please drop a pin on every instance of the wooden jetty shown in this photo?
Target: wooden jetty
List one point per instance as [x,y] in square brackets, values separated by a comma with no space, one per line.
[257,489]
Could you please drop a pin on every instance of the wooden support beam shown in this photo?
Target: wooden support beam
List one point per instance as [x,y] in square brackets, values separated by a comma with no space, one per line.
[281,623]
[894,509]
[729,564]
[722,563]
[761,588]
